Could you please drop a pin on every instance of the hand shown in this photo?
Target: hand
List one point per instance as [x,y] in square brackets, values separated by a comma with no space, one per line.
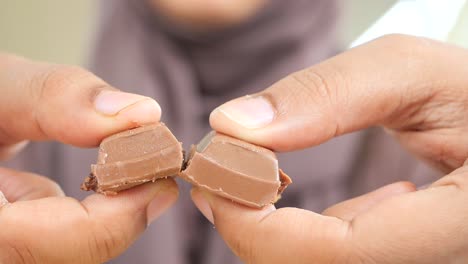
[417,89]
[40,225]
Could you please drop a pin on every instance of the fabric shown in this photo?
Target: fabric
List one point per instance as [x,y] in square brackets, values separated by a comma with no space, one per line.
[190,74]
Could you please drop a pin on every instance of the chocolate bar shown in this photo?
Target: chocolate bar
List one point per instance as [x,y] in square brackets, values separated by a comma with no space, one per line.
[229,167]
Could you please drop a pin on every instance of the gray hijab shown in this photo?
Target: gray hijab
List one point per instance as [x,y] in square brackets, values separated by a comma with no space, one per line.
[191,73]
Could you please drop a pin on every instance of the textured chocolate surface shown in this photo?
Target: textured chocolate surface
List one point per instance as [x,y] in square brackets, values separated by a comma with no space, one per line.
[134,157]
[235,169]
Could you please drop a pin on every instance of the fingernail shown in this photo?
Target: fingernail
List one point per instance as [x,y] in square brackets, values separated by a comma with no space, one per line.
[202,204]
[249,111]
[113,102]
[163,200]
[3,200]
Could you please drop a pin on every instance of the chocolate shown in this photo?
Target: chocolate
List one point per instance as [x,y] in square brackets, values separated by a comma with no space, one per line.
[237,170]
[134,157]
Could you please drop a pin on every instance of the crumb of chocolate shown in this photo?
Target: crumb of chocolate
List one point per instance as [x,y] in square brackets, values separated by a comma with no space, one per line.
[90,183]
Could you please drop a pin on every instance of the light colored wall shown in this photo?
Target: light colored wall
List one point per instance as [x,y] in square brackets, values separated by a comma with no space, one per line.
[52,30]
[459,34]
[59,30]
[358,15]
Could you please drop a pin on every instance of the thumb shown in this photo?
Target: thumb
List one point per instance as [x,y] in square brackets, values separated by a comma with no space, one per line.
[384,82]
[42,101]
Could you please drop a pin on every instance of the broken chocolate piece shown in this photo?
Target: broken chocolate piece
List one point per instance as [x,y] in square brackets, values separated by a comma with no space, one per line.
[134,157]
[235,169]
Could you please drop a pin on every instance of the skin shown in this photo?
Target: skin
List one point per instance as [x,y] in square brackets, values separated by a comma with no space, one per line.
[41,101]
[413,87]
[209,14]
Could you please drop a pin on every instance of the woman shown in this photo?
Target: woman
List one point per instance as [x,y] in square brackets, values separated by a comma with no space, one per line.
[191,70]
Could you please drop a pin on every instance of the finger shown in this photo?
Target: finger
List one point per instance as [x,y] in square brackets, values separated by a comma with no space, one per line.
[402,228]
[93,231]
[9,151]
[21,186]
[55,102]
[349,209]
[287,235]
[392,81]
[408,227]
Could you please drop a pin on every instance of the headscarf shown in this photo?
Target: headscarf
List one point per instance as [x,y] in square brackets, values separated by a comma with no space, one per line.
[189,74]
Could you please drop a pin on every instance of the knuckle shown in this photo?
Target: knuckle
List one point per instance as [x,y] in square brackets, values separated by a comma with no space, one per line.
[325,87]
[104,244]
[56,89]
[243,240]
[249,251]
[56,80]
[351,251]
[11,252]
[66,81]
[333,237]
[359,247]
[242,243]
[326,83]
[314,85]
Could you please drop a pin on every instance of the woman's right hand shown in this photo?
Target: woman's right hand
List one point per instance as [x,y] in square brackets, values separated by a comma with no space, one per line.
[38,224]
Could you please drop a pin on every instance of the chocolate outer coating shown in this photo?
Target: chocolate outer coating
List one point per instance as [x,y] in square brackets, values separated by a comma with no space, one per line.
[237,170]
[134,157]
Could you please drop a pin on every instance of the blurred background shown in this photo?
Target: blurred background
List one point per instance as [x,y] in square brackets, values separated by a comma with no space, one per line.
[50,30]
[60,31]
[63,31]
